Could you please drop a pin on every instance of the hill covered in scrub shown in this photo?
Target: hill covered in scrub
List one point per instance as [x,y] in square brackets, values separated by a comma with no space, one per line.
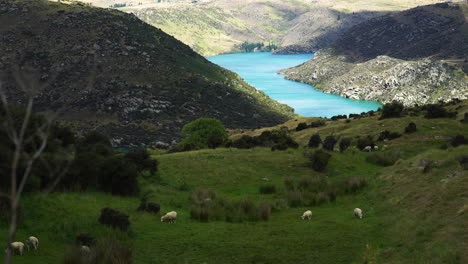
[416,56]
[221,26]
[108,70]
[244,205]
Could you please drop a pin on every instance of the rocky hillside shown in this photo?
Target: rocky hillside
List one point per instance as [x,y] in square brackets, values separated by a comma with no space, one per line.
[416,56]
[220,26]
[110,71]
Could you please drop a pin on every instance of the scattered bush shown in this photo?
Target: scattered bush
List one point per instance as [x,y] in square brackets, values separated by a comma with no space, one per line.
[294,198]
[268,188]
[391,110]
[458,140]
[317,123]
[301,126]
[289,183]
[314,141]
[85,239]
[429,166]
[264,211]
[463,160]
[334,118]
[319,160]
[329,143]
[366,141]
[344,144]
[142,160]
[118,176]
[387,135]
[106,251]
[355,183]
[465,119]
[437,111]
[410,128]
[114,218]
[276,139]
[202,133]
[384,158]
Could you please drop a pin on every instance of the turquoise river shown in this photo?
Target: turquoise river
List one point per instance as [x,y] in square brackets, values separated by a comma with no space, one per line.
[260,70]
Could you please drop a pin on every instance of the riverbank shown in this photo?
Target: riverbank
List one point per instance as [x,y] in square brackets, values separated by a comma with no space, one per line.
[260,69]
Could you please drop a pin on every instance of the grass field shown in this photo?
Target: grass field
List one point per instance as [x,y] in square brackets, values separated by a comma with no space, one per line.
[409,216]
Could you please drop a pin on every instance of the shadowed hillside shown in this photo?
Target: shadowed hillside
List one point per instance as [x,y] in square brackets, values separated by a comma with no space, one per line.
[109,71]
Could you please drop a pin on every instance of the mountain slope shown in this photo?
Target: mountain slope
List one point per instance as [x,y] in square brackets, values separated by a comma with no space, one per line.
[415,56]
[220,26]
[108,70]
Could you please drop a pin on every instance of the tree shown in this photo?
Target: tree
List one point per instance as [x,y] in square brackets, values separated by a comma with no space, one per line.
[314,141]
[26,137]
[204,132]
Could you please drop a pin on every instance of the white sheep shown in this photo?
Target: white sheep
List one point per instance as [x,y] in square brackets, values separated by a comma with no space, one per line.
[169,217]
[358,213]
[85,250]
[32,241]
[307,214]
[368,148]
[16,246]
[376,148]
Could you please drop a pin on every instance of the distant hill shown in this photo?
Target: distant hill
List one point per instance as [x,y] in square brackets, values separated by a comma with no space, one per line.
[213,27]
[112,72]
[416,56]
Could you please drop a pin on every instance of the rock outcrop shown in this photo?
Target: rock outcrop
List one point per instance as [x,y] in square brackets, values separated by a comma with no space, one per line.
[416,57]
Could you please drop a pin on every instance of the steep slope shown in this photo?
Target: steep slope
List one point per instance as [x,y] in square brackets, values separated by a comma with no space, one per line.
[219,26]
[415,56]
[108,70]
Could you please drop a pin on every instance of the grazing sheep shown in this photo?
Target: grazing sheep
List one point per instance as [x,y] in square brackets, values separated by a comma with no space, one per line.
[358,213]
[368,148]
[16,246]
[32,241]
[85,250]
[307,214]
[169,217]
[376,148]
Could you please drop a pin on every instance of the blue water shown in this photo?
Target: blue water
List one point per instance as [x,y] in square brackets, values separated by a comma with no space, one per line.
[260,70]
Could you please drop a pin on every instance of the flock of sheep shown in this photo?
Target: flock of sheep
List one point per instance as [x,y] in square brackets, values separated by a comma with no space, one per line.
[168,217]
[19,246]
[308,214]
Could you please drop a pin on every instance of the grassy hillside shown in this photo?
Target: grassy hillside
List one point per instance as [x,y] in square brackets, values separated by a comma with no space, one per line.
[107,70]
[410,216]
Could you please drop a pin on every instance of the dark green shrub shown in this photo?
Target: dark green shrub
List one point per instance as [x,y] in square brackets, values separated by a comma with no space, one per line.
[244,142]
[294,198]
[264,211]
[334,118]
[105,251]
[321,198]
[384,158]
[301,126]
[465,119]
[268,188]
[391,110]
[319,160]
[114,219]
[314,141]
[317,123]
[458,140]
[329,143]
[202,133]
[332,195]
[118,176]
[355,183]
[142,160]
[429,166]
[463,160]
[410,128]
[387,135]
[85,239]
[289,183]
[365,141]
[437,111]
[344,144]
